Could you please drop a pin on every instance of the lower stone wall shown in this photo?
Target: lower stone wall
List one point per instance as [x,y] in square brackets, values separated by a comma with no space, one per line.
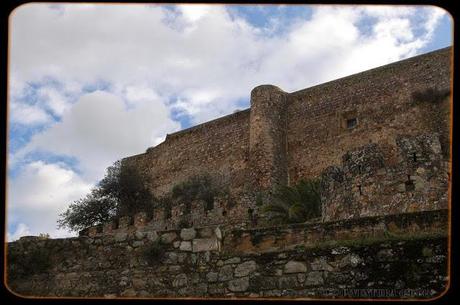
[194,263]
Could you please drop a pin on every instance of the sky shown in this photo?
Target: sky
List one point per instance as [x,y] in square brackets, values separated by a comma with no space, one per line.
[90,84]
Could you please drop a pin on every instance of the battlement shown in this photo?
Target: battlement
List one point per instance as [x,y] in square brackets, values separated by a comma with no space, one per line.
[285,137]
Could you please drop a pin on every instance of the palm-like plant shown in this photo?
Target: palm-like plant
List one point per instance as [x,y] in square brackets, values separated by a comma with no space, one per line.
[294,204]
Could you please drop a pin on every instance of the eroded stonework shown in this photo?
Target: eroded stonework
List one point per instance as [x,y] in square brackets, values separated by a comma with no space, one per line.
[381,145]
[378,142]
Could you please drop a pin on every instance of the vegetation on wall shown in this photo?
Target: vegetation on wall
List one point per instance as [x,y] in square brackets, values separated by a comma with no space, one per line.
[154,252]
[199,187]
[22,264]
[437,113]
[430,95]
[120,193]
[294,204]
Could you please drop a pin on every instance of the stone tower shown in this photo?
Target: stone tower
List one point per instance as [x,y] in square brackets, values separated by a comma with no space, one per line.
[267,138]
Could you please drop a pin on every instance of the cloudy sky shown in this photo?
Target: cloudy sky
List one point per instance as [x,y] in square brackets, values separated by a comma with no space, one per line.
[90,84]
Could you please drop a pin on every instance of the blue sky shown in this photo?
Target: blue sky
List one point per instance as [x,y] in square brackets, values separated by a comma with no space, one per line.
[90,84]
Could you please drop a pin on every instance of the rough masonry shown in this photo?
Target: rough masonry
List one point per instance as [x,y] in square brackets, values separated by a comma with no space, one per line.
[378,141]
[379,132]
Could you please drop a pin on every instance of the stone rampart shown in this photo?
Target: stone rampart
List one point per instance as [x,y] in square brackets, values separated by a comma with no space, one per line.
[408,261]
[285,137]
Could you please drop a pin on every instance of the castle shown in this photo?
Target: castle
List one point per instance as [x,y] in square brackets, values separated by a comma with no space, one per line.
[379,148]
[378,141]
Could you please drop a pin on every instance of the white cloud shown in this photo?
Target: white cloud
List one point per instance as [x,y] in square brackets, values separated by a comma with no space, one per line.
[26,114]
[38,194]
[205,48]
[98,129]
[54,100]
[21,230]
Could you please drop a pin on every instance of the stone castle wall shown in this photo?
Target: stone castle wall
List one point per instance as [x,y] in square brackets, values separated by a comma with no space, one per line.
[219,148]
[378,179]
[403,255]
[285,137]
[379,99]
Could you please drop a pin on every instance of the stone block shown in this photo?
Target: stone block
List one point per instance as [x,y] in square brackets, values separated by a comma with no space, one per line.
[140,219]
[206,232]
[295,267]
[205,244]
[321,264]
[185,246]
[314,278]
[218,233]
[168,238]
[139,235]
[288,282]
[120,237]
[239,285]
[180,280]
[188,234]
[233,260]
[212,277]
[137,243]
[108,227]
[152,236]
[245,268]
[225,273]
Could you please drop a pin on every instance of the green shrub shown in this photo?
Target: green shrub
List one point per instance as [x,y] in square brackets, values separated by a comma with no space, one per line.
[154,252]
[430,95]
[259,199]
[122,192]
[183,224]
[294,204]
[23,264]
[43,236]
[256,237]
[199,187]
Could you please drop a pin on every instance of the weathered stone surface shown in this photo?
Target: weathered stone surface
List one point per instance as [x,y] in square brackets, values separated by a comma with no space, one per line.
[137,243]
[206,232]
[212,277]
[233,260]
[226,273]
[403,135]
[295,267]
[152,236]
[245,268]
[185,246]
[119,237]
[171,258]
[350,260]
[204,244]
[139,235]
[188,233]
[138,283]
[314,278]
[240,284]
[288,282]
[180,280]
[218,233]
[168,238]
[385,255]
[321,264]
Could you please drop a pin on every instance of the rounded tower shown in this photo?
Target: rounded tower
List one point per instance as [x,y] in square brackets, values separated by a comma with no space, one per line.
[267,138]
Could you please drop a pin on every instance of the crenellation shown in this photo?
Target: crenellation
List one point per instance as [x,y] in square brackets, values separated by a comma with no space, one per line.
[379,143]
[285,137]
[124,222]
[140,219]
[248,262]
